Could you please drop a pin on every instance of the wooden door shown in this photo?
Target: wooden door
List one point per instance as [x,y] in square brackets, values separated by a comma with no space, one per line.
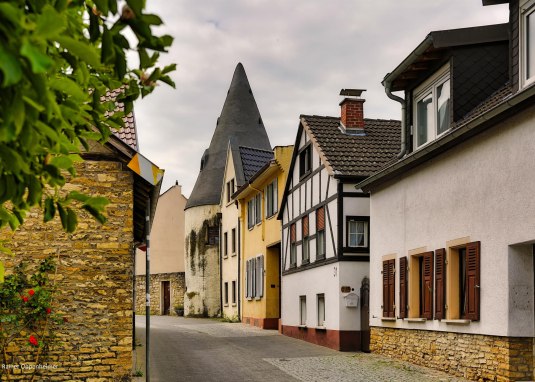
[166,297]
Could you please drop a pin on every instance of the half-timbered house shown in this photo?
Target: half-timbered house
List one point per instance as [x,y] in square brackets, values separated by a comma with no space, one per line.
[325,223]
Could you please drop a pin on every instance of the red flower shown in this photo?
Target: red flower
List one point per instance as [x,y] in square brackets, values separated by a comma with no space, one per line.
[33,341]
[24,298]
[65,319]
[48,310]
[31,292]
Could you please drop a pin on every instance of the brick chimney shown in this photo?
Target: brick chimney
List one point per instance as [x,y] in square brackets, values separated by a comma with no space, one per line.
[352,109]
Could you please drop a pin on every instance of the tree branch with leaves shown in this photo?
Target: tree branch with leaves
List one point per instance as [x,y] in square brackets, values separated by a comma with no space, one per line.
[58,58]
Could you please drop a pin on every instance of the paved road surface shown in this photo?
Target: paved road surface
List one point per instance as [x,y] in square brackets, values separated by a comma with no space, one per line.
[205,350]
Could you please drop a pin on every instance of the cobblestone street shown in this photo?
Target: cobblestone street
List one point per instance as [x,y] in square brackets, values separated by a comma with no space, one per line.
[186,349]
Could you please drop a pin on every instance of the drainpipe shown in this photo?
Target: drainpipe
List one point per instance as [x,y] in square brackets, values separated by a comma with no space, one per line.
[403,151]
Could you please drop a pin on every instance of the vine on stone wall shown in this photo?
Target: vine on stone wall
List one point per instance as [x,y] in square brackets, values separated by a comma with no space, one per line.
[27,316]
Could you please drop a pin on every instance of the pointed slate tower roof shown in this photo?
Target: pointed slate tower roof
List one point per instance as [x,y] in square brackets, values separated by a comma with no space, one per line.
[240,120]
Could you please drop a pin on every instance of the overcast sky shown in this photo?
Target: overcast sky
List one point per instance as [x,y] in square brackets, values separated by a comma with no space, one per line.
[297,54]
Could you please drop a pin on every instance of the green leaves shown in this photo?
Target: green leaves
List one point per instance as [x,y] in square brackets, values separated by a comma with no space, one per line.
[10,67]
[57,60]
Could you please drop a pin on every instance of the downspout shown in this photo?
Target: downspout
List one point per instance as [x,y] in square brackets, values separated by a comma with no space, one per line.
[403,151]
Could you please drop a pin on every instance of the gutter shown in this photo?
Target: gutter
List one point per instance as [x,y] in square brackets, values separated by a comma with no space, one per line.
[388,87]
[452,138]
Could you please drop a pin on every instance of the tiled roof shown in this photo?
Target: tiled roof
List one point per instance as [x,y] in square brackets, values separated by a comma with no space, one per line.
[128,133]
[355,155]
[253,160]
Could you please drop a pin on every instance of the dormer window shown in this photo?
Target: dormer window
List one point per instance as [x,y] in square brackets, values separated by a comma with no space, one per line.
[432,107]
[527,40]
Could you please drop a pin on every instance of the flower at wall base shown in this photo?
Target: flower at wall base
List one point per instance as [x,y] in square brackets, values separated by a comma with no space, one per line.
[33,341]
[24,298]
[31,292]
[48,310]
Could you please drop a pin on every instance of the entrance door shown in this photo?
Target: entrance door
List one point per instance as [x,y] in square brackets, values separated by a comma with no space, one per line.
[166,297]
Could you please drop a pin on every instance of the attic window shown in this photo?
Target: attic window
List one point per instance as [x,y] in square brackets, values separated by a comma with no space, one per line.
[527,41]
[431,112]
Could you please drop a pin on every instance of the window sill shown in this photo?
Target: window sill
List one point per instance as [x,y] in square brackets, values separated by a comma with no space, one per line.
[305,262]
[302,327]
[457,322]
[258,298]
[388,318]
[233,255]
[292,266]
[271,217]
[415,320]
[321,328]
[225,257]
[234,304]
[225,305]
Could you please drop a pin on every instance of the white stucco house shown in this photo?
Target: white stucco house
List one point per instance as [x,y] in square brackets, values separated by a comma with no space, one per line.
[453,219]
[325,223]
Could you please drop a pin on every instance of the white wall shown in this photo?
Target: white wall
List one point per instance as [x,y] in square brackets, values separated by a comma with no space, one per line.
[483,189]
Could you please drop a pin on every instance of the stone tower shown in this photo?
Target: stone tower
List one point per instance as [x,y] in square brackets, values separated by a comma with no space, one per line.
[240,120]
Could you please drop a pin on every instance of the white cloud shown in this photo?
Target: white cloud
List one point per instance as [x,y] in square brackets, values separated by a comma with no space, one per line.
[297,55]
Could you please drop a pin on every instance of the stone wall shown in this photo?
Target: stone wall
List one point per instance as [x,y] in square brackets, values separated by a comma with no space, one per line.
[474,357]
[94,280]
[177,286]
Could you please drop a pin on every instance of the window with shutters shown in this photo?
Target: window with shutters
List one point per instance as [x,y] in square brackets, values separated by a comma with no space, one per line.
[389,288]
[306,240]
[258,208]
[421,285]
[440,284]
[320,233]
[271,199]
[463,282]
[254,277]
[403,287]
[251,213]
[293,246]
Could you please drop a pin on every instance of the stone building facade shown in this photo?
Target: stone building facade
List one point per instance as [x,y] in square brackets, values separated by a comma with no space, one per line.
[94,270]
[177,287]
[95,266]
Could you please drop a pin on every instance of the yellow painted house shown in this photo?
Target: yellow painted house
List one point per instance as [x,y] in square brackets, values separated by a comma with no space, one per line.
[259,201]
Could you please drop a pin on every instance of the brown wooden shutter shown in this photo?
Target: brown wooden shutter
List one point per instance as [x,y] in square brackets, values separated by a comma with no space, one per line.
[391,287]
[440,284]
[292,233]
[385,289]
[403,281]
[305,226]
[388,288]
[320,219]
[472,280]
[427,300]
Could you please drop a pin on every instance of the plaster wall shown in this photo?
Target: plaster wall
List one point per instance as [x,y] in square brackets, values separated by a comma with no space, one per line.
[202,262]
[229,221]
[167,235]
[481,190]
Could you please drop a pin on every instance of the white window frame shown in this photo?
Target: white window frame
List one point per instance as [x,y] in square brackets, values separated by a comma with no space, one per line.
[302,310]
[320,299]
[430,86]
[366,232]
[527,8]
[271,199]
